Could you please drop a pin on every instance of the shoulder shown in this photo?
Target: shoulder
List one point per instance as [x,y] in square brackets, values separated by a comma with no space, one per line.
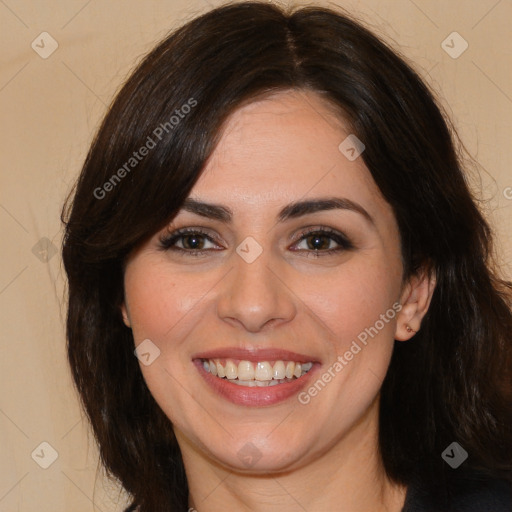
[473,492]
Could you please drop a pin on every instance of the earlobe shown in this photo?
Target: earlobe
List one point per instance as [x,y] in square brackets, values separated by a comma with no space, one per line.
[126,318]
[415,300]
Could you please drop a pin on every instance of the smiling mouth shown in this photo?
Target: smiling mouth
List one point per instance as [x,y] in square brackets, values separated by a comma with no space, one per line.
[257,374]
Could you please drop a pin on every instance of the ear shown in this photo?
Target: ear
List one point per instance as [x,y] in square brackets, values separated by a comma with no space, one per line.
[126,317]
[415,300]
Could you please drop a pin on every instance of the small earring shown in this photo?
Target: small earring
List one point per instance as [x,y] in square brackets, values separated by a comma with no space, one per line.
[409,329]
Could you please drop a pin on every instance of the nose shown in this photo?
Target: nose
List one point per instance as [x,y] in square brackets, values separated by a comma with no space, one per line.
[253,297]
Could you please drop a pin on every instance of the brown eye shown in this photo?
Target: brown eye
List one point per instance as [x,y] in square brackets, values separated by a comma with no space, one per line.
[193,242]
[318,242]
[189,240]
[322,242]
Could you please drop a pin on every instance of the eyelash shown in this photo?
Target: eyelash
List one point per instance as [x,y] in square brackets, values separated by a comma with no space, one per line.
[168,242]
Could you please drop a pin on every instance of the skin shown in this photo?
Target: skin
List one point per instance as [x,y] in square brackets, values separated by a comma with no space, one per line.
[273,152]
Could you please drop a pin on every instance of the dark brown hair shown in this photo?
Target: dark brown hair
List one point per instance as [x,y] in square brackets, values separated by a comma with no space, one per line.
[452,382]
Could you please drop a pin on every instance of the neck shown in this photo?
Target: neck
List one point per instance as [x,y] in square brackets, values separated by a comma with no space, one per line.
[348,476]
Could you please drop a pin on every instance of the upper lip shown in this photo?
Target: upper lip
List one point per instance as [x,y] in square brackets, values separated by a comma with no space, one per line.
[255,355]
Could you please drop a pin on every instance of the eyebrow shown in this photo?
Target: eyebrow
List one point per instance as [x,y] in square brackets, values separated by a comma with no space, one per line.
[291,211]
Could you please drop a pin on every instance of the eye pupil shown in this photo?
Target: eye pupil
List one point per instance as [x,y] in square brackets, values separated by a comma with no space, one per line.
[316,242]
[193,242]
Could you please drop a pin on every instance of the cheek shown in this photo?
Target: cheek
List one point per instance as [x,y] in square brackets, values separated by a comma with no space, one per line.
[355,302]
[154,301]
[166,306]
[161,309]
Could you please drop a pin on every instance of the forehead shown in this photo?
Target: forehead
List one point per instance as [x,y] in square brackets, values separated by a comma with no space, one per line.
[281,149]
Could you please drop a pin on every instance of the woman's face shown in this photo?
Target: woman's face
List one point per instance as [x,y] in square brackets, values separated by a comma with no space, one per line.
[292,256]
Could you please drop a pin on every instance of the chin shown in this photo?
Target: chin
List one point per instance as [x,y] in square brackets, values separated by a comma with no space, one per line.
[258,454]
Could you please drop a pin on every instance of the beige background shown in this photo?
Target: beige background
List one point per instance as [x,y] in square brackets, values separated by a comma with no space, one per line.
[50,109]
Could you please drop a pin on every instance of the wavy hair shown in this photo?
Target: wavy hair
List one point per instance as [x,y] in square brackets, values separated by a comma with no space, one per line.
[451,382]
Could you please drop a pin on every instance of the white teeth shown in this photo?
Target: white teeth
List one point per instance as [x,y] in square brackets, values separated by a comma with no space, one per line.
[306,367]
[248,383]
[262,373]
[230,370]
[260,383]
[290,368]
[245,370]
[279,370]
[220,370]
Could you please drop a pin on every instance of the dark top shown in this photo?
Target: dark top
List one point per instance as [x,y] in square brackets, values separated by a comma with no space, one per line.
[472,493]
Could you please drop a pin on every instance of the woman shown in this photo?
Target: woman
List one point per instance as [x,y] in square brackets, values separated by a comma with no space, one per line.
[281,291]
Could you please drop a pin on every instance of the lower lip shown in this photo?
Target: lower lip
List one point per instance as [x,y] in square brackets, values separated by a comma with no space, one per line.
[254,396]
